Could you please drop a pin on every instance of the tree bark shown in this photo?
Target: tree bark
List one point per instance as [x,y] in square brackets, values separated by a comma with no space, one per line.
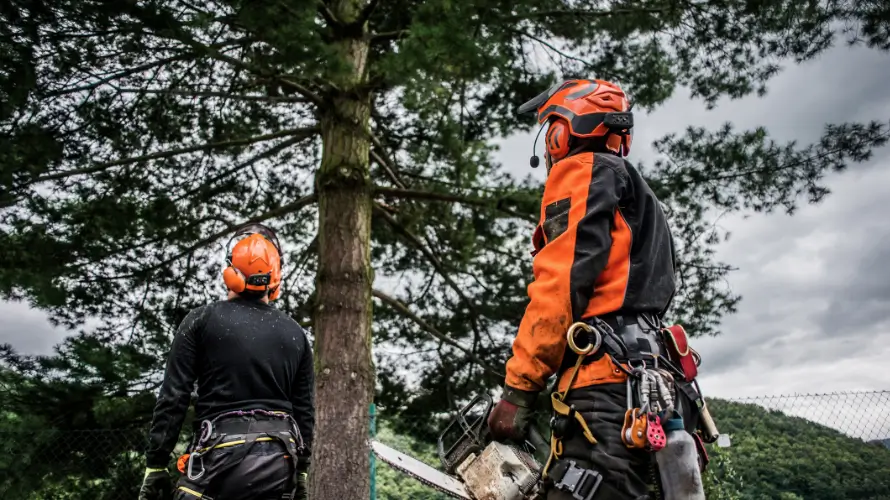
[342,324]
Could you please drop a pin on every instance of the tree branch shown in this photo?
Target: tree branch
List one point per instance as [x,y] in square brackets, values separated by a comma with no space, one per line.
[177,32]
[549,46]
[226,95]
[403,309]
[328,16]
[390,172]
[271,214]
[437,265]
[120,74]
[274,150]
[367,11]
[581,13]
[388,36]
[304,91]
[491,203]
[305,132]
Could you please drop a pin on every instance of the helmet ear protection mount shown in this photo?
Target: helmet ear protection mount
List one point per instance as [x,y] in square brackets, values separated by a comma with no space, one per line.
[236,281]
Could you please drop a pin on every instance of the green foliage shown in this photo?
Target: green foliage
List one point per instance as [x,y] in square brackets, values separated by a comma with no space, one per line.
[134,136]
[776,456]
[394,485]
[721,480]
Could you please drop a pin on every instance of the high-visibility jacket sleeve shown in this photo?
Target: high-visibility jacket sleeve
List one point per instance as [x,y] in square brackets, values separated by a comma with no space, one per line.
[176,390]
[578,211]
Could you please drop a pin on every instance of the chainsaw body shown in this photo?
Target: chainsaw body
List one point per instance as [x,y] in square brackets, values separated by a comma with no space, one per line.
[489,470]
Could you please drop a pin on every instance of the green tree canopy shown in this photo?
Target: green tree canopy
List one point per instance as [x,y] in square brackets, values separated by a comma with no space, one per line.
[137,135]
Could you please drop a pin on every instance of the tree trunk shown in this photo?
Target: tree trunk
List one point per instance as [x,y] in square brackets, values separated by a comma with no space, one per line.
[342,326]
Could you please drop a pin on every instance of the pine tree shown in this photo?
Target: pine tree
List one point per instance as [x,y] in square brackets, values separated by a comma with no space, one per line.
[138,135]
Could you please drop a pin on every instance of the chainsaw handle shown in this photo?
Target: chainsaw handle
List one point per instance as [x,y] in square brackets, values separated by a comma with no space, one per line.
[536,439]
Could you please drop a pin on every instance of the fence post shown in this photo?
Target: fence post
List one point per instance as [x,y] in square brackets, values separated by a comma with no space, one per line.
[373,415]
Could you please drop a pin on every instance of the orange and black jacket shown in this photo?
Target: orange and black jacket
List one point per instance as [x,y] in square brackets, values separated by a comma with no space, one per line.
[603,246]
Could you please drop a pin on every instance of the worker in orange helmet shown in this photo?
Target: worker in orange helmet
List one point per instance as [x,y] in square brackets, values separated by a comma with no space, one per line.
[253,371]
[604,256]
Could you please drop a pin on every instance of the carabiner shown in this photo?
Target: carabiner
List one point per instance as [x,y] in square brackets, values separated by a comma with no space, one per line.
[191,459]
[591,347]
[206,432]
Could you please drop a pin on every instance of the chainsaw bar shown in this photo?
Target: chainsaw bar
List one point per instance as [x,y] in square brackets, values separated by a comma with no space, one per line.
[420,471]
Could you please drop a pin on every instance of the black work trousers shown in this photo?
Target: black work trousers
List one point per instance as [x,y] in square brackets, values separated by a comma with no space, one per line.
[265,473]
[626,472]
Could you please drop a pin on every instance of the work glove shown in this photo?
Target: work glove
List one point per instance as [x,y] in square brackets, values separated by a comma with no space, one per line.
[302,492]
[156,485]
[510,419]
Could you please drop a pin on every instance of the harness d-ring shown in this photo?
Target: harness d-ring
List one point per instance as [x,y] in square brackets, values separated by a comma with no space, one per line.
[591,347]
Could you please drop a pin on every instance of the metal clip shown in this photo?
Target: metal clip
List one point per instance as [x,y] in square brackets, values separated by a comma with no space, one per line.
[191,462]
[662,381]
[645,390]
[592,346]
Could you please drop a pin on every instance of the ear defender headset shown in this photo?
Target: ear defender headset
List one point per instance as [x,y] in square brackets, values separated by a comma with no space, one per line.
[268,278]
[557,139]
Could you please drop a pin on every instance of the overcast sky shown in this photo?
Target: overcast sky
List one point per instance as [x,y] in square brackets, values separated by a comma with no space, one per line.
[815,314]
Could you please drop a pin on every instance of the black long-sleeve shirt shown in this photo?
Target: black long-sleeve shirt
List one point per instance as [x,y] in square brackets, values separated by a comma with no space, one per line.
[244,355]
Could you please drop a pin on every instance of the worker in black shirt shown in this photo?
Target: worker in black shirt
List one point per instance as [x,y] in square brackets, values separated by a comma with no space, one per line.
[254,414]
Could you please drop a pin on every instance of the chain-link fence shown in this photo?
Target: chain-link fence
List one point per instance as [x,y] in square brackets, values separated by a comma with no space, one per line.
[100,464]
[803,446]
[821,446]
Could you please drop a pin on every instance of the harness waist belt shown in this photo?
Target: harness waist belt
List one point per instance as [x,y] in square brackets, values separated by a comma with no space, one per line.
[252,425]
[631,338]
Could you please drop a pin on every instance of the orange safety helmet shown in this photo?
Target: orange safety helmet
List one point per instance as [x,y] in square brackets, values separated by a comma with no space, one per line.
[254,263]
[583,109]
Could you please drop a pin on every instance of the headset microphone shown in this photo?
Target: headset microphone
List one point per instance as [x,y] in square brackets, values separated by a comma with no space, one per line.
[534,161]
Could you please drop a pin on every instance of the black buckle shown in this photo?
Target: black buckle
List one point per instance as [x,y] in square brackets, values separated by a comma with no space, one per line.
[259,279]
[619,121]
[581,483]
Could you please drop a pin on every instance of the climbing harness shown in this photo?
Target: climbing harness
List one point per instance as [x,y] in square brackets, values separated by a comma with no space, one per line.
[207,432]
[557,399]
[659,365]
[213,436]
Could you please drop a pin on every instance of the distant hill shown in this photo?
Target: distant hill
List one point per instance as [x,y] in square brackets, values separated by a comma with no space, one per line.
[788,458]
[882,442]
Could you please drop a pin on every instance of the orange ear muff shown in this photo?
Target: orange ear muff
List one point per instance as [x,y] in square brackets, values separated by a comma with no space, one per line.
[234,280]
[557,140]
[274,294]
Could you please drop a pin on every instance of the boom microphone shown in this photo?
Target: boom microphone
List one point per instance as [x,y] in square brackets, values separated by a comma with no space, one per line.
[534,161]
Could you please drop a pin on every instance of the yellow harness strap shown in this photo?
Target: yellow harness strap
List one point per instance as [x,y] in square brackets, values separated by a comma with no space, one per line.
[557,400]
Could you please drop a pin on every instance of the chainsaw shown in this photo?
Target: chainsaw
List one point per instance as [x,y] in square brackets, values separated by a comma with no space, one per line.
[475,466]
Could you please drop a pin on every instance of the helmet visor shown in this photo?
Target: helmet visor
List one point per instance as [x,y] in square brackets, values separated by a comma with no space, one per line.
[536,102]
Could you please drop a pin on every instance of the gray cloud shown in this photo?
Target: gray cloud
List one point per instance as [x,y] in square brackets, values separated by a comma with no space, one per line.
[28,330]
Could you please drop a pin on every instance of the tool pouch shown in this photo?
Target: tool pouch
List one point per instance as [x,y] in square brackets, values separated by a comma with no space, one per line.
[677,343]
